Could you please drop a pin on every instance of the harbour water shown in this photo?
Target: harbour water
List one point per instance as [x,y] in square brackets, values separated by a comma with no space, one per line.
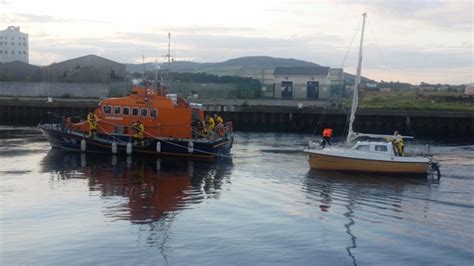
[263,206]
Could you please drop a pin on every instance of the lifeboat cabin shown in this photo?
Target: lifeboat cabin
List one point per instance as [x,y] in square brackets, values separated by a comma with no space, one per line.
[149,121]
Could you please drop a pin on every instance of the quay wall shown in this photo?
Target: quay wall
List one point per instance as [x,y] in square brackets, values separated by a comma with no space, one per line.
[421,124]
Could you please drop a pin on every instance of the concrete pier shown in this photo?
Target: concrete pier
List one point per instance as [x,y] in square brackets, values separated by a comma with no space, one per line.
[421,124]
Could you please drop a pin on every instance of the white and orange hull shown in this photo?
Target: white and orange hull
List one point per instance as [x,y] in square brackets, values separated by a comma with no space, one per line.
[346,163]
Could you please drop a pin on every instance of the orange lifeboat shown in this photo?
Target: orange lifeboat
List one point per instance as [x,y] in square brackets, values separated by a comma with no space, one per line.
[148,120]
[161,116]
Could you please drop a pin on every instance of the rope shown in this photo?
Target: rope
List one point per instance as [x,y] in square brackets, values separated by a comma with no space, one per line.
[387,69]
[379,50]
[175,144]
[169,142]
[182,146]
[320,121]
[350,45]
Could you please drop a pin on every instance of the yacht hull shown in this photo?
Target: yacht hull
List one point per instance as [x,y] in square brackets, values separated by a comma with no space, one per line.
[342,163]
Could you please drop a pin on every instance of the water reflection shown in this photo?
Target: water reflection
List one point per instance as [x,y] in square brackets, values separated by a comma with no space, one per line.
[374,197]
[154,189]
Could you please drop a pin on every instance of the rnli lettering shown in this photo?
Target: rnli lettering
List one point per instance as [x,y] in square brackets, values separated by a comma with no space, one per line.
[114,118]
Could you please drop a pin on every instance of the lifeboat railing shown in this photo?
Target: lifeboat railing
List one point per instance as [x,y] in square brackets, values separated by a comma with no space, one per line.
[227,129]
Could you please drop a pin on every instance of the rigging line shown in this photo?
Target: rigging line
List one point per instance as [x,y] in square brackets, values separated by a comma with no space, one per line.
[384,63]
[379,50]
[350,45]
[320,121]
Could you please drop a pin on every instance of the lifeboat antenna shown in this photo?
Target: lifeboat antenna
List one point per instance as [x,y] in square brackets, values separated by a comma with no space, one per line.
[168,67]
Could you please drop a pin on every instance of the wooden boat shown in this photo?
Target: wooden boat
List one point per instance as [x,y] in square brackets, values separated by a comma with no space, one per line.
[368,156]
[167,128]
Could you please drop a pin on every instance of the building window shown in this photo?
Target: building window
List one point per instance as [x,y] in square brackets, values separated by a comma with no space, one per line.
[13,52]
[13,43]
[107,109]
[24,52]
[1,51]
[286,89]
[126,111]
[135,111]
[144,112]
[117,110]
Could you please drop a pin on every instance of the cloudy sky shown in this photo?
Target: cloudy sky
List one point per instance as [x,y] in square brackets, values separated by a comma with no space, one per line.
[406,40]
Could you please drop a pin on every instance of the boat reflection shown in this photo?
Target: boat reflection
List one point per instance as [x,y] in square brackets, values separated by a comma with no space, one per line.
[380,194]
[151,189]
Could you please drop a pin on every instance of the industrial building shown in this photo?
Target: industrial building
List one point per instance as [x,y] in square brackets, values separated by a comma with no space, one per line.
[308,83]
[13,45]
[89,68]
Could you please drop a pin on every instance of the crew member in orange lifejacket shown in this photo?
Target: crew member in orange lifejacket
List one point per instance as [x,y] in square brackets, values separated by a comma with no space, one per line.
[327,135]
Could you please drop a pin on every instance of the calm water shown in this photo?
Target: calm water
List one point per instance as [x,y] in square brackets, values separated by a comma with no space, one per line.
[263,207]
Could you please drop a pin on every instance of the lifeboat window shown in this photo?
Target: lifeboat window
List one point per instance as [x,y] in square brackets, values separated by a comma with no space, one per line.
[381,148]
[362,148]
[135,111]
[126,111]
[153,112]
[117,110]
[144,112]
[107,109]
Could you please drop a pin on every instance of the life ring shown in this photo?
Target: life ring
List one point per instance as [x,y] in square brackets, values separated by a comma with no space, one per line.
[221,130]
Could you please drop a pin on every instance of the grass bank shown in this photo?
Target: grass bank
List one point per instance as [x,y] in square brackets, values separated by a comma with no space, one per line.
[440,101]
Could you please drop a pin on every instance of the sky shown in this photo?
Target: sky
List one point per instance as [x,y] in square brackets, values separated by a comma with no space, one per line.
[405,40]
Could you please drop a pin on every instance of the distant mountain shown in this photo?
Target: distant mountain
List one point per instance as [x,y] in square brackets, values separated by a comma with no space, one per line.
[243,66]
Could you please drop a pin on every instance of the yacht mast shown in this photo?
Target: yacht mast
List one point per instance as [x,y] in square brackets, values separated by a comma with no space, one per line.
[355,96]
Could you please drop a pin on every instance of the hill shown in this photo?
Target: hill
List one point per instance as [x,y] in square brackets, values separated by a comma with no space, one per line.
[249,66]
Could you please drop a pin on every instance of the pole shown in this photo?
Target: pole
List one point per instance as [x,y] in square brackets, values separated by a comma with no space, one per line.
[355,96]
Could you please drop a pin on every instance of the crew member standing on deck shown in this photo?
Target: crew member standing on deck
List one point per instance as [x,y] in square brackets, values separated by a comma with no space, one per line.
[218,119]
[92,120]
[220,130]
[327,135]
[139,130]
[398,142]
[210,125]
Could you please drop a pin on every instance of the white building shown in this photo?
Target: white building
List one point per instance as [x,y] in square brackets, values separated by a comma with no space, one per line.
[13,45]
[311,83]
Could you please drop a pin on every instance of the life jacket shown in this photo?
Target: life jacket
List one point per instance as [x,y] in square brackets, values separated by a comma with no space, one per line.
[211,122]
[221,129]
[91,117]
[327,132]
